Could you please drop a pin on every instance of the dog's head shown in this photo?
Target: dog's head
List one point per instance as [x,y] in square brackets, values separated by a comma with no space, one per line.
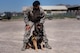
[39,27]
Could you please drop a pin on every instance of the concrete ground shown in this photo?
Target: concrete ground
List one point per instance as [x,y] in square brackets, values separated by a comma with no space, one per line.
[63,35]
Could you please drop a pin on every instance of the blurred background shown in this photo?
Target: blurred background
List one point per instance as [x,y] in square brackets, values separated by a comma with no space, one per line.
[54,9]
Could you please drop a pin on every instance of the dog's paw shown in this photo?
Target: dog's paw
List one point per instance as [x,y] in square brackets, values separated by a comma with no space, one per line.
[36,50]
[43,49]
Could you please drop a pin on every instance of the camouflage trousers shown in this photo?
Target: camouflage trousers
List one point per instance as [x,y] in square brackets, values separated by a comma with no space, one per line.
[27,33]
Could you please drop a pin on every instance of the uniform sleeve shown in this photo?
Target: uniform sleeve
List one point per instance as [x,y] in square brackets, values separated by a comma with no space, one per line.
[42,15]
[26,17]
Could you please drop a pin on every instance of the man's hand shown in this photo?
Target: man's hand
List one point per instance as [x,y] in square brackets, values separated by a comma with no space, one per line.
[27,27]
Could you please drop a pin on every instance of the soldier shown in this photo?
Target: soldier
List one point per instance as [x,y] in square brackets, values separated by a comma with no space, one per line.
[33,15]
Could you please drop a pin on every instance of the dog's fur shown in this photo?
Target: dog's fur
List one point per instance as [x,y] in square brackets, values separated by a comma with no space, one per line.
[37,38]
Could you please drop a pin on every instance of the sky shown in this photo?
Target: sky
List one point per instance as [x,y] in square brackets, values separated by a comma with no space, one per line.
[16,5]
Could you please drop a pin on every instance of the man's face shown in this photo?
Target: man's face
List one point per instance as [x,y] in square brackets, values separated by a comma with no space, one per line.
[36,7]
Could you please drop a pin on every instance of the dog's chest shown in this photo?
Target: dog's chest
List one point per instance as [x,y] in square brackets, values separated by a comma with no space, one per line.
[39,35]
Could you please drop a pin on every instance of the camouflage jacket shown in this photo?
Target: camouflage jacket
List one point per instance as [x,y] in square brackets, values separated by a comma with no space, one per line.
[33,15]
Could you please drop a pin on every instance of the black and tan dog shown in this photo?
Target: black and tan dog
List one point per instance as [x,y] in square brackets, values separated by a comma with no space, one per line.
[36,40]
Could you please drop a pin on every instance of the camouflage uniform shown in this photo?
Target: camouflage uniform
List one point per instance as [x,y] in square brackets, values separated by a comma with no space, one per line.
[29,14]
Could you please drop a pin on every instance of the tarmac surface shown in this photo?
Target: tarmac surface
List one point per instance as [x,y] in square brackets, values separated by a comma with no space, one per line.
[63,35]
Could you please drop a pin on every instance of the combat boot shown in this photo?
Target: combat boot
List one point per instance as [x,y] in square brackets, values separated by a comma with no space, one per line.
[47,46]
[24,47]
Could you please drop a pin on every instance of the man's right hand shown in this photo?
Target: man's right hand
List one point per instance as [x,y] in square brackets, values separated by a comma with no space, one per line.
[27,27]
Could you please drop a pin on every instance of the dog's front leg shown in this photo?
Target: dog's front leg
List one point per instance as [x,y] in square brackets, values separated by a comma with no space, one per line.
[42,46]
[35,44]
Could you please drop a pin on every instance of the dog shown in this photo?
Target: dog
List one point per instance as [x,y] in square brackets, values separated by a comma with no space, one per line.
[36,40]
